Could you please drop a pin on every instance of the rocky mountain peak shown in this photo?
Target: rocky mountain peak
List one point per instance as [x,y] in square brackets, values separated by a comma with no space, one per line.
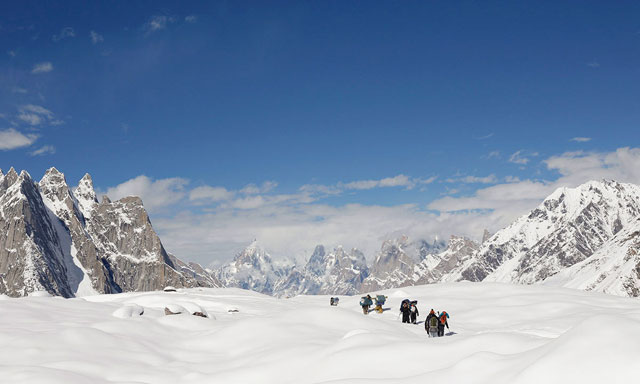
[53,185]
[86,195]
[11,177]
[486,235]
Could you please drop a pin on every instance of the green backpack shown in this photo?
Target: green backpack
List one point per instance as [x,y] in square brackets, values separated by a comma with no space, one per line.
[433,323]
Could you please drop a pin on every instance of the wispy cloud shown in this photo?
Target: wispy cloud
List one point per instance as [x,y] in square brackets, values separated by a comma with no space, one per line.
[581,139]
[486,136]
[191,18]
[45,150]
[34,114]
[211,194]
[519,157]
[66,32]
[493,155]
[252,189]
[12,139]
[593,64]
[473,179]
[96,37]
[43,67]
[157,23]
[11,53]
[18,90]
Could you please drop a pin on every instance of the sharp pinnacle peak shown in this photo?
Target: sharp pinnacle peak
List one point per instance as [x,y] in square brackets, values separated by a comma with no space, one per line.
[53,171]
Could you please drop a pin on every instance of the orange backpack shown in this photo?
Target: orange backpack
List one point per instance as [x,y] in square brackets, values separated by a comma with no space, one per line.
[443,317]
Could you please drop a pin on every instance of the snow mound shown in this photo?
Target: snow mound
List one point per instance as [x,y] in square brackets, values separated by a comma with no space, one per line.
[129,310]
[40,294]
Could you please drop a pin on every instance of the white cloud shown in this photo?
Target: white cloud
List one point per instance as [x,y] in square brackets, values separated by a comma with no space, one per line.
[212,194]
[493,155]
[473,179]
[11,53]
[486,136]
[520,157]
[581,139]
[503,203]
[18,90]
[191,18]
[12,139]
[593,64]
[42,67]
[45,150]
[96,37]
[157,23]
[155,195]
[290,225]
[64,33]
[252,189]
[396,181]
[35,114]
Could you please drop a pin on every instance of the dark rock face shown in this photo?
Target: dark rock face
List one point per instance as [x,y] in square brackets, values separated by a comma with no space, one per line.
[73,246]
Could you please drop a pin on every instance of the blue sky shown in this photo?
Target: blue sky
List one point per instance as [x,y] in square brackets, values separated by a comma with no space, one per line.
[307,122]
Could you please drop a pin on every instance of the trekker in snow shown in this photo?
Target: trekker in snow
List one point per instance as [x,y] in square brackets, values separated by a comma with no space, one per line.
[380,300]
[406,311]
[431,324]
[334,301]
[442,322]
[413,306]
[366,302]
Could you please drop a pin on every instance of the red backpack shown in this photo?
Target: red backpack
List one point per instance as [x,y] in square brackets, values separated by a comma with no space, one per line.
[443,317]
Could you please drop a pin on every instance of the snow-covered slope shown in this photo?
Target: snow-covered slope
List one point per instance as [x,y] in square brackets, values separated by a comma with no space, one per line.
[613,269]
[499,333]
[570,226]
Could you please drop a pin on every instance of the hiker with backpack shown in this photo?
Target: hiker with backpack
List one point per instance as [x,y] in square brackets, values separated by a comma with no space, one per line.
[365,303]
[413,306]
[380,300]
[442,323]
[406,311]
[431,324]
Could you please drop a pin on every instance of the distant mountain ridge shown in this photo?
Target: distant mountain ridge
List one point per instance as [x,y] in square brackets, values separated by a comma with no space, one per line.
[586,237]
[66,242]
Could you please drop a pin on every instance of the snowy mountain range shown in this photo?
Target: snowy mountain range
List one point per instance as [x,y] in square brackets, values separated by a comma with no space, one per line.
[64,241]
[586,237]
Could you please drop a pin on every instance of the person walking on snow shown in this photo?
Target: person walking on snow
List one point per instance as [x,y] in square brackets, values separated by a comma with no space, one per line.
[431,324]
[413,306]
[443,321]
[365,302]
[406,312]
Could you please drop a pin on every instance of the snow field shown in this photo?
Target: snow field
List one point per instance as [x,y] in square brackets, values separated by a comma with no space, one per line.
[499,333]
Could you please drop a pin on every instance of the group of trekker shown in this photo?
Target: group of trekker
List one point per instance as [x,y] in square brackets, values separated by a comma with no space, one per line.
[367,301]
[434,323]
